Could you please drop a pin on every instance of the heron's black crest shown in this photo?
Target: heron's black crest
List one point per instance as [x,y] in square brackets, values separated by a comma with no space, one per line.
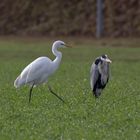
[104,56]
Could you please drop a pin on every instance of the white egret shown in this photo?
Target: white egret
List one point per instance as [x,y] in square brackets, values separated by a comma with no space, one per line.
[38,71]
[99,74]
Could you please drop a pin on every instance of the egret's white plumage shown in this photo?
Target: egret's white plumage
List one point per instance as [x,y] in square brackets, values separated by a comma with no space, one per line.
[38,71]
[99,74]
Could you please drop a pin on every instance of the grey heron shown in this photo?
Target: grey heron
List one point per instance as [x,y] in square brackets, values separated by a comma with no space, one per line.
[99,74]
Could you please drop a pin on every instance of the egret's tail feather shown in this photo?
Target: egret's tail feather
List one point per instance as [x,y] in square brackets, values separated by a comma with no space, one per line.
[18,82]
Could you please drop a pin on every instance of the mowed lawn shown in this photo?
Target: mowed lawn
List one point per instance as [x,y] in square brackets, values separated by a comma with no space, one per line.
[114,116]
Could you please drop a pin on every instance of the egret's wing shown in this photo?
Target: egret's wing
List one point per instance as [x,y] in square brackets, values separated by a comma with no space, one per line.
[35,69]
[94,74]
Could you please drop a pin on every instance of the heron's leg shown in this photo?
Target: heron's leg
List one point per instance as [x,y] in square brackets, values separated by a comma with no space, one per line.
[55,94]
[96,95]
[98,92]
[30,93]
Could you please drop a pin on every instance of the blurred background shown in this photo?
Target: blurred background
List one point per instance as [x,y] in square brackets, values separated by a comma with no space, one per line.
[95,18]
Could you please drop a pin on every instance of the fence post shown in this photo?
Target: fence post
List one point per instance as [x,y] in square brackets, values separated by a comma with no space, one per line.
[99,19]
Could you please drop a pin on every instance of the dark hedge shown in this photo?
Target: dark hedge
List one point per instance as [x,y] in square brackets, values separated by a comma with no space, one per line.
[63,17]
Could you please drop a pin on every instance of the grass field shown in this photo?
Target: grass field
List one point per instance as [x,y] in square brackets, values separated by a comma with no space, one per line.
[114,116]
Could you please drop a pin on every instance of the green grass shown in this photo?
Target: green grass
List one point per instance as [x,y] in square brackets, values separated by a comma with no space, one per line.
[114,116]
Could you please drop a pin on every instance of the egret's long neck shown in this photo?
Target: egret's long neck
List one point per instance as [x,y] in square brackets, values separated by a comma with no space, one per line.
[58,55]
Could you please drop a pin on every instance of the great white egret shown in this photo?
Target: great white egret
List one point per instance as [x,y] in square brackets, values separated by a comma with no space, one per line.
[38,71]
[99,74]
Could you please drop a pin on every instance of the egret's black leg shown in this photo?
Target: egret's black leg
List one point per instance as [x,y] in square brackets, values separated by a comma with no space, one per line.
[30,93]
[55,94]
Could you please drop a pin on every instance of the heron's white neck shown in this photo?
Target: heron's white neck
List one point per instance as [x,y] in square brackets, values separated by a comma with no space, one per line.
[58,55]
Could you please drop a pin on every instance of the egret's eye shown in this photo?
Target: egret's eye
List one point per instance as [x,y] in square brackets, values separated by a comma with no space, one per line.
[62,43]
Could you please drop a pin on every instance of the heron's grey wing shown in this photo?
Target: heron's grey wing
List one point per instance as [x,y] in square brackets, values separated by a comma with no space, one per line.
[94,75]
[108,72]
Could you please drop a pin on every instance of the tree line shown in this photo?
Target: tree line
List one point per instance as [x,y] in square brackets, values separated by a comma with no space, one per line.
[69,18]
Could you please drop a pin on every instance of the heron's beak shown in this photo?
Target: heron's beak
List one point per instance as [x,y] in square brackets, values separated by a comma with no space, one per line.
[108,60]
[68,46]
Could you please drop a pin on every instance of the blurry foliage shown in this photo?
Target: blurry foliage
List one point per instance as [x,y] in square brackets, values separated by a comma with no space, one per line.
[122,18]
[74,17]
